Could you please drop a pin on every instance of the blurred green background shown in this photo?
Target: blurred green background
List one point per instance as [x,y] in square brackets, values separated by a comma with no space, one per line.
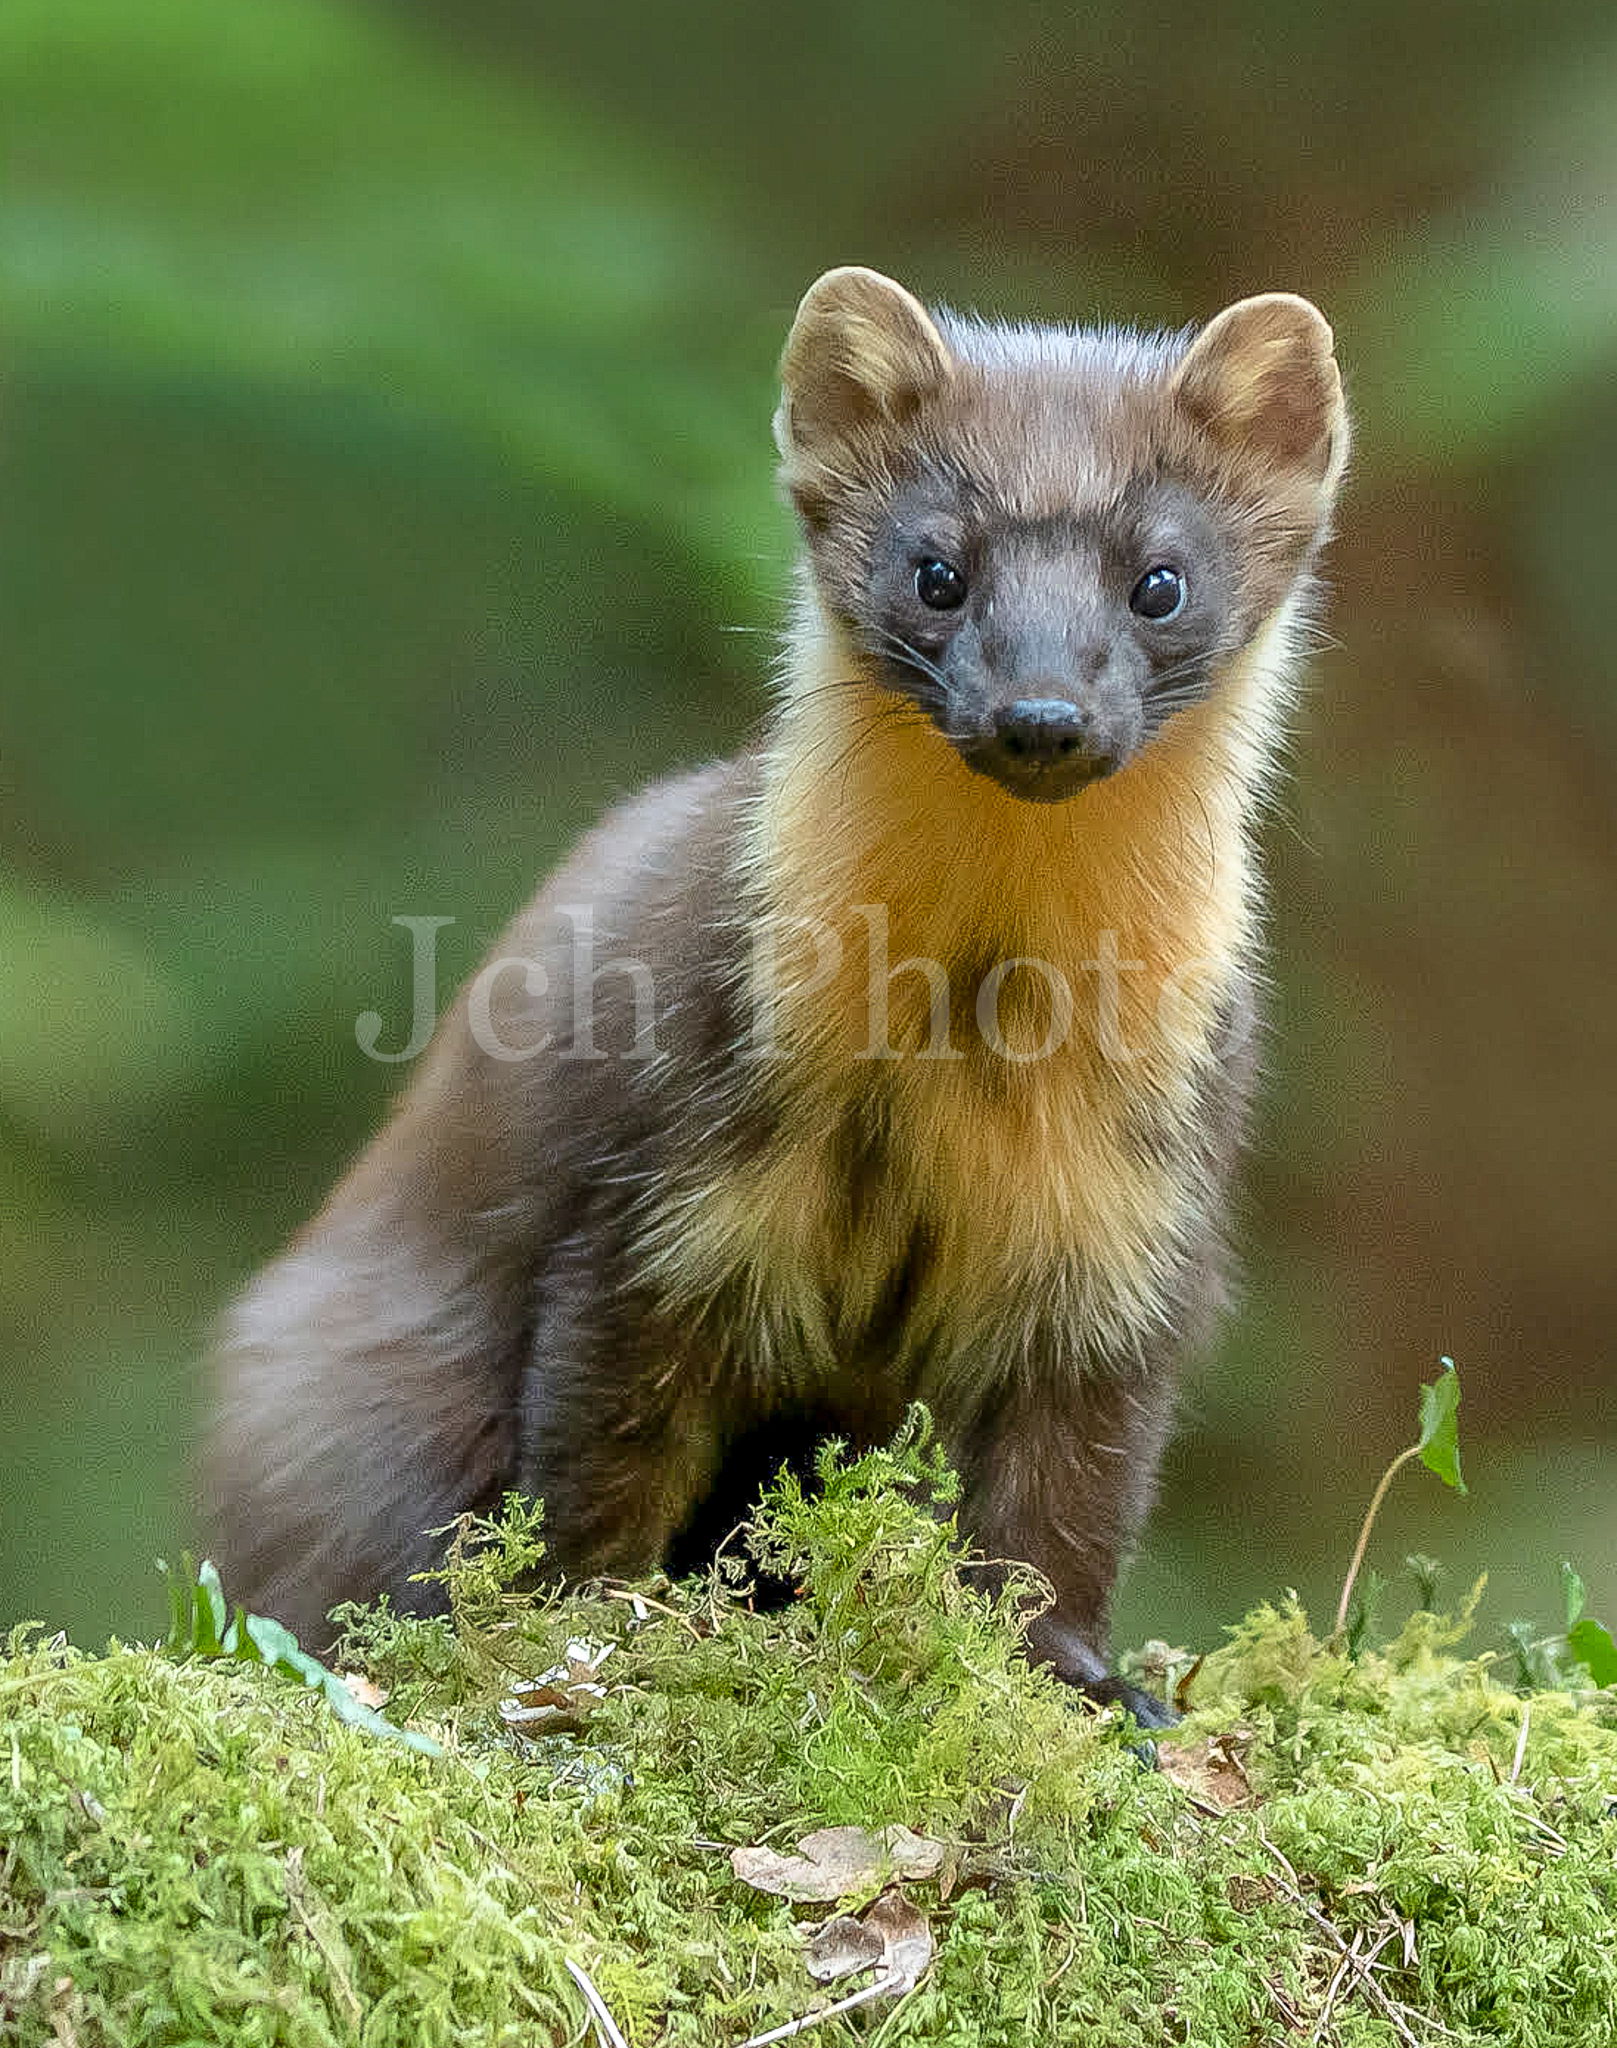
[385,484]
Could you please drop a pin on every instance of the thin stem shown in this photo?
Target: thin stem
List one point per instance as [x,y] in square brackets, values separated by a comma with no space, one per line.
[606,2025]
[1370,1514]
[879,1989]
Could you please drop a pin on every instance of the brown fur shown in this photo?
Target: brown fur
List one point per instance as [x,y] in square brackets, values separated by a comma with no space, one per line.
[600,1279]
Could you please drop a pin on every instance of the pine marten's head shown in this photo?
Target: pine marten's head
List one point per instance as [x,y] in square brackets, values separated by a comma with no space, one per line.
[1053,539]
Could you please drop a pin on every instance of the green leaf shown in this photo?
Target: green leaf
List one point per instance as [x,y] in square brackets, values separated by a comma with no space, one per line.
[178,1639]
[203,1626]
[1595,1651]
[1572,1589]
[213,1610]
[1439,1427]
[274,1643]
[344,1705]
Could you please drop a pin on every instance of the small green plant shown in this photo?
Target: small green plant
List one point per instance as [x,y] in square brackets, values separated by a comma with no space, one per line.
[201,1624]
[1584,1654]
[1591,1644]
[1438,1448]
[489,1575]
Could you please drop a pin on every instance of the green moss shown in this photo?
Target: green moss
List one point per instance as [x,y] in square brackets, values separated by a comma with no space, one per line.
[201,1852]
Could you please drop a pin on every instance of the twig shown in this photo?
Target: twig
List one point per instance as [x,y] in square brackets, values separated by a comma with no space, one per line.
[1365,1527]
[1351,1961]
[605,2023]
[633,1598]
[878,1989]
[1521,1744]
[1331,1990]
[1334,1933]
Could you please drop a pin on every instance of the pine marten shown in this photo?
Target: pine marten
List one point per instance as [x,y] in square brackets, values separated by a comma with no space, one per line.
[908,1055]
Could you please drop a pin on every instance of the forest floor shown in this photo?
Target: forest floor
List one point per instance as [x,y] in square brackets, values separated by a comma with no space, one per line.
[656,1814]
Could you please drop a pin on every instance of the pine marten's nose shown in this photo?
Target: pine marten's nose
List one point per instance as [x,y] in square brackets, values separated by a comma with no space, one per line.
[1037,730]
[1044,746]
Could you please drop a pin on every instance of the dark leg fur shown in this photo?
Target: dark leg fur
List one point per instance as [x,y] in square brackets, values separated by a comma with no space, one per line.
[1058,1473]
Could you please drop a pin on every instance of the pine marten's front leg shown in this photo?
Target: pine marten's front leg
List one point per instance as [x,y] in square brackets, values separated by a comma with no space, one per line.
[1056,1470]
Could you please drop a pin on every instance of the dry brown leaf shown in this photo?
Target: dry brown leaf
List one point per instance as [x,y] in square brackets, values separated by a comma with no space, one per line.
[894,1937]
[842,1946]
[363,1689]
[1209,1770]
[911,1855]
[561,1697]
[834,1863]
[906,1941]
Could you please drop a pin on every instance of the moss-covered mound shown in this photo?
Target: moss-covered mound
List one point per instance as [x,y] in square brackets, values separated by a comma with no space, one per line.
[1393,1849]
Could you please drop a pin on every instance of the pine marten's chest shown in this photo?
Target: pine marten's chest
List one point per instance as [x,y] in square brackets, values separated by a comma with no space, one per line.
[989,1044]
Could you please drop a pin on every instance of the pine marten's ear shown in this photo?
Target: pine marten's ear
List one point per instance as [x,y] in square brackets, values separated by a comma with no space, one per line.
[862,352]
[1262,381]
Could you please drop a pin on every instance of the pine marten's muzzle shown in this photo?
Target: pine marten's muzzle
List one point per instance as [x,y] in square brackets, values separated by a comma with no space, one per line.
[1045,748]
[1042,716]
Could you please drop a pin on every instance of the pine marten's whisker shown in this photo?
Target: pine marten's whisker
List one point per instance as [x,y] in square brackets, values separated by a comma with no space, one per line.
[900,650]
[810,763]
[1195,665]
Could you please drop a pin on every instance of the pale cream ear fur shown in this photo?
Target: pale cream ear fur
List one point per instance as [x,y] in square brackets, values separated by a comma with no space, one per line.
[1262,380]
[862,350]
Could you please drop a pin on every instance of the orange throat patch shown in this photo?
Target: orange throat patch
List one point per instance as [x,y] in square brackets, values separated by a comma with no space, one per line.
[1004,996]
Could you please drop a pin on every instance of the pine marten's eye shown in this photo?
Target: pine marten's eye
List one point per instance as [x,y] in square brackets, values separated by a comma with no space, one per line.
[940,585]
[1159,594]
